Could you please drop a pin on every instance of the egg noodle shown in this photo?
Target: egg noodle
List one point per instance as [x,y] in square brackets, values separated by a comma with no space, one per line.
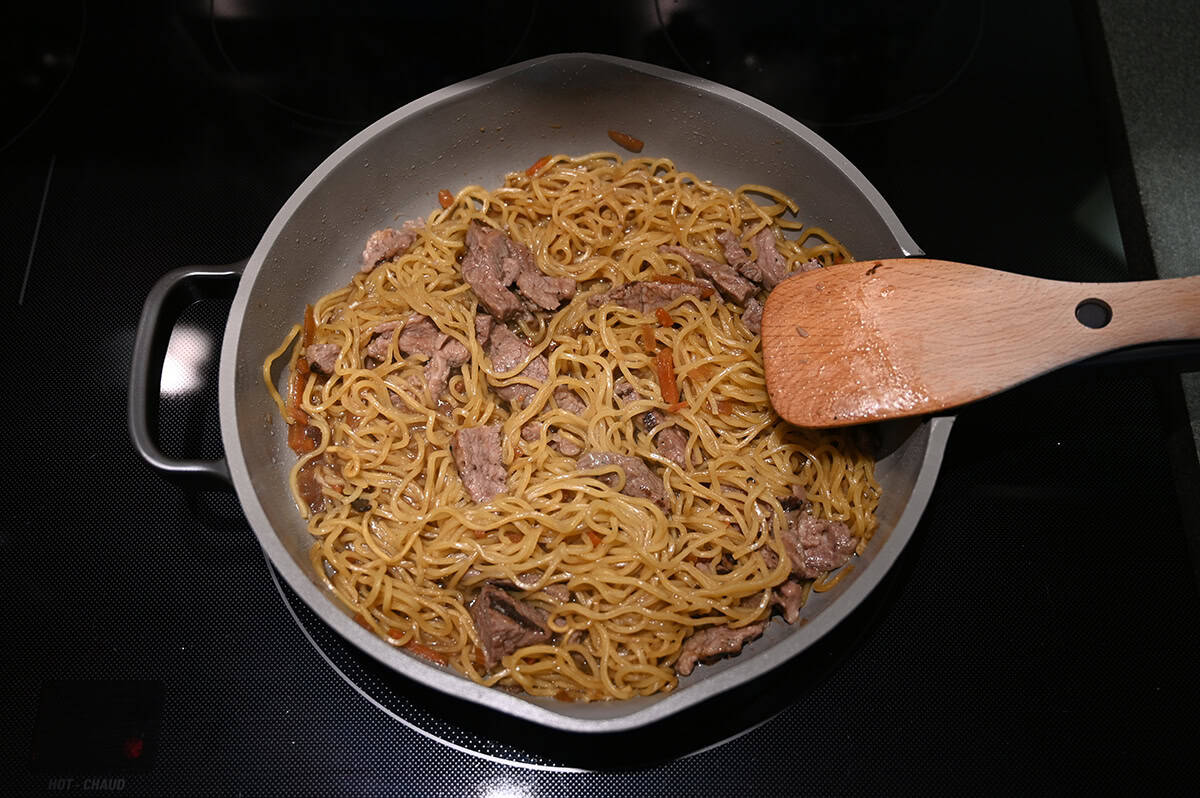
[400,542]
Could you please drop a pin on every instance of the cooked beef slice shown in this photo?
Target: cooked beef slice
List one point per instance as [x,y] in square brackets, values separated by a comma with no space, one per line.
[420,336]
[494,261]
[505,624]
[671,442]
[731,284]
[789,599]
[507,351]
[771,265]
[489,268]
[386,244]
[543,290]
[640,481]
[816,545]
[479,459]
[646,296]
[752,317]
[714,642]
[322,357]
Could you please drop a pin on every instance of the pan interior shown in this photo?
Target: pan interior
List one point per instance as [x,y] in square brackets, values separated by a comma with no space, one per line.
[474,133]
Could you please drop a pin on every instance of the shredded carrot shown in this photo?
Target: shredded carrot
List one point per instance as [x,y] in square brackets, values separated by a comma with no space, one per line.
[361,621]
[478,658]
[594,537]
[648,339]
[665,367]
[725,407]
[627,141]
[664,318]
[445,198]
[672,279]
[425,651]
[396,634]
[537,167]
[310,326]
[298,439]
[700,374]
[675,408]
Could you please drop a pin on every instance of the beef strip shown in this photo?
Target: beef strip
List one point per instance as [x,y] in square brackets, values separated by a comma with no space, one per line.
[420,336]
[739,259]
[386,244]
[566,446]
[478,456]
[752,317]
[381,340]
[640,481]
[789,599]
[809,265]
[322,357]
[483,328]
[771,265]
[815,545]
[437,372]
[490,269]
[714,642]
[545,291]
[647,296]
[731,284]
[735,256]
[505,624]
[494,261]
[507,351]
[625,392]
[671,442]
[569,400]
[797,501]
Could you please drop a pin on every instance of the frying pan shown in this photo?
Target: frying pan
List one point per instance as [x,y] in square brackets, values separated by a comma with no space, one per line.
[473,133]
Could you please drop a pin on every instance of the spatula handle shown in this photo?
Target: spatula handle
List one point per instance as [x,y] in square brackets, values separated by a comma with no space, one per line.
[1125,314]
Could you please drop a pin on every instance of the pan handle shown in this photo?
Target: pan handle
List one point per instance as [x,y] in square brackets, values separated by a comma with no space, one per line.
[174,292]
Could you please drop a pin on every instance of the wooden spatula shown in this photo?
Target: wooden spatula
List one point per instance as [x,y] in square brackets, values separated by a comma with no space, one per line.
[872,340]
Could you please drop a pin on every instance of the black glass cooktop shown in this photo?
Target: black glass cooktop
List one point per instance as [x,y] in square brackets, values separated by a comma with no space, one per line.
[1040,634]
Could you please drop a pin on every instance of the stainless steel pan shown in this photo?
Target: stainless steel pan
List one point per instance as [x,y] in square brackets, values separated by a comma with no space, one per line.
[475,132]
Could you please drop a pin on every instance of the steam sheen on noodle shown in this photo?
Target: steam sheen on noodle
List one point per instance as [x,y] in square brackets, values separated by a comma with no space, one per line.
[400,542]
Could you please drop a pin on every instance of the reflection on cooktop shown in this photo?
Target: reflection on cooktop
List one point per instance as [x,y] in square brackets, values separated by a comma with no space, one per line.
[328,62]
[850,63]
[39,47]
